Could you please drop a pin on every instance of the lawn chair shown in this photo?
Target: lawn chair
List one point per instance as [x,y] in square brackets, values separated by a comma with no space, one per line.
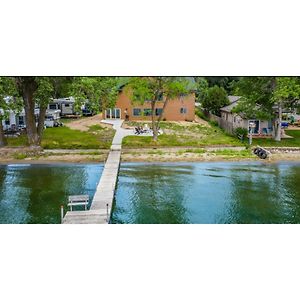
[138,130]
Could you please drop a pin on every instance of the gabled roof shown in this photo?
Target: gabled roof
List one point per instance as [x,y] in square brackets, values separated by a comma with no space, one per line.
[233,103]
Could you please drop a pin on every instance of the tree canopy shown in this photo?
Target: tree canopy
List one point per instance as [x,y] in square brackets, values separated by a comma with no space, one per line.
[101,92]
[214,99]
[266,98]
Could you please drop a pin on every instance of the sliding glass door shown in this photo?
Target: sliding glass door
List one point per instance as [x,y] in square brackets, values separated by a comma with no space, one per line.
[113,113]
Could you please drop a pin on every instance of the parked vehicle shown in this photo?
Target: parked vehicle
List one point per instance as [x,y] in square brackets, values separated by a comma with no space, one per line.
[65,105]
[53,118]
[17,120]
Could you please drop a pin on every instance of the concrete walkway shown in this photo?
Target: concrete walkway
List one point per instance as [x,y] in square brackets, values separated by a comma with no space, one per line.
[120,132]
[100,210]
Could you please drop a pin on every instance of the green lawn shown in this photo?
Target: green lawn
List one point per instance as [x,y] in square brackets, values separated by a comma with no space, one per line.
[192,135]
[66,138]
[295,142]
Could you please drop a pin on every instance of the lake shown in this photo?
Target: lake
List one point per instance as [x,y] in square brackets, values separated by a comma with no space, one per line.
[154,193]
[214,192]
[34,193]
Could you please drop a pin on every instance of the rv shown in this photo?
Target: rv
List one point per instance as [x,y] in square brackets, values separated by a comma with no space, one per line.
[65,105]
[16,121]
[52,118]
[87,109]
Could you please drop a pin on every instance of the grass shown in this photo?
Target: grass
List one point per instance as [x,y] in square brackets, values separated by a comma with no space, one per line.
[294,142]
[198,151]
[96,128]
[233,153]
[66,138]
[70,153]
[20,155]
[179,135]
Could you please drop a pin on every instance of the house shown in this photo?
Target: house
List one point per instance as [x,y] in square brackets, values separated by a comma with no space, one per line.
[65,105]
[179,109]
[230,120]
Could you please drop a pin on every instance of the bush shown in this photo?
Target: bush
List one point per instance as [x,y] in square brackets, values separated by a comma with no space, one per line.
[213,123]
[201,114]
[241,133]
[215,99]
[20,155]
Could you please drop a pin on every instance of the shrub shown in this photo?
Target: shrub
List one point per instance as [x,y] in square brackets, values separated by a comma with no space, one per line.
[20,155]
[213,123]
[241,133]
[201,114]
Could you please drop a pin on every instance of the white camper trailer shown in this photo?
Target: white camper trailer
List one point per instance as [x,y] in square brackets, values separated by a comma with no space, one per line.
[65,105]
[52,118]
[16,121]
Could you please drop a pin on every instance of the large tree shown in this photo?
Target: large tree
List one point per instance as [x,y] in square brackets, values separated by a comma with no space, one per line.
[35,92]
[266,98]
[214,99]
[155,89]
[100,91]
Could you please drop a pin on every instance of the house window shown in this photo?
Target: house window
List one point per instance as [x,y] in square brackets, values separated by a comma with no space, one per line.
[158,111]
[67,105]
[147,112]
[136,111]
[7,122]
[183,110]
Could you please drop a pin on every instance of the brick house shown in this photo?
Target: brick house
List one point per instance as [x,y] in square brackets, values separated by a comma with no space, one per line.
[179,109]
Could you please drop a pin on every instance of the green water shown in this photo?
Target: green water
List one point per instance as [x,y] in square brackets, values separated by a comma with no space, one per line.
[158,193]
[34,193]
[208,193]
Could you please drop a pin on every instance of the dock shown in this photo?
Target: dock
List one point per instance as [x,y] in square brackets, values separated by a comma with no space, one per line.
[101,206]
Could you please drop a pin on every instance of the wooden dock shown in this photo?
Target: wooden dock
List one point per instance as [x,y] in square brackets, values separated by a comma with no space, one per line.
[101,207]
[100,210]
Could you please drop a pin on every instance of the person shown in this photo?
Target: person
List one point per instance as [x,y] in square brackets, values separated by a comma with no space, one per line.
[126,115]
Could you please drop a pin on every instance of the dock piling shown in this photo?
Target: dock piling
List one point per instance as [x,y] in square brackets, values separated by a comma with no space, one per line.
[107,212]
[61,213]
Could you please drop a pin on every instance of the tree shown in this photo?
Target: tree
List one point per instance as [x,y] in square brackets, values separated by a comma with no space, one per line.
[266,97]
[215,98]
[201,88]
[100,91]
[7,88]
[35,91]
[154,89]
[226,82]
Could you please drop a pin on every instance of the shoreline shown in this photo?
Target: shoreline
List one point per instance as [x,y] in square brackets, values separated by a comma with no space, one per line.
[164,155]
[158,158]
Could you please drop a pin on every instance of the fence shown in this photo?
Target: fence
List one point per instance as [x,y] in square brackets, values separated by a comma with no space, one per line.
[224,124]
